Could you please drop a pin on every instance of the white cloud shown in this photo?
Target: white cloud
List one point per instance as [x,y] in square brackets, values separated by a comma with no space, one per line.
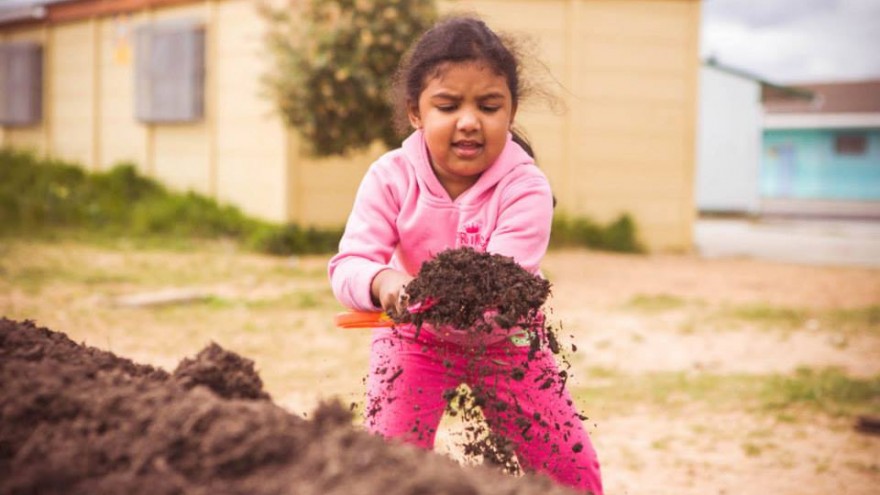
[795,40]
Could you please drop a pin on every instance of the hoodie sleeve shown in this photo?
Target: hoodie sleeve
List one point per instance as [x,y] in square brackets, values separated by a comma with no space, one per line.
[368,242]
[523,227]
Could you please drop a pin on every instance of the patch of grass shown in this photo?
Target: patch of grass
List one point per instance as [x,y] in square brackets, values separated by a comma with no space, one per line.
[668,390]
[46,198]
[661,443]
[828,391]
[841,321]
[850,320]
[752,449]
[654,303]
[769,316]
[619,235]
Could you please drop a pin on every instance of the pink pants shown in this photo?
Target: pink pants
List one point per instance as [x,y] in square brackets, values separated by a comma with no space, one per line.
[409,374]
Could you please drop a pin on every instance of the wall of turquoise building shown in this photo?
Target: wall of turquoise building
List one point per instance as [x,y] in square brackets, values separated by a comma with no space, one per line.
[821,164]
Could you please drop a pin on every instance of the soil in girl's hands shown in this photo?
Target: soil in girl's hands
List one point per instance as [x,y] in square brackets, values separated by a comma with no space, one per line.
[482,293]
[460,287]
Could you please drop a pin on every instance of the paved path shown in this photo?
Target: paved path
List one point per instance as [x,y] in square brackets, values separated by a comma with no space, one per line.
[821,242]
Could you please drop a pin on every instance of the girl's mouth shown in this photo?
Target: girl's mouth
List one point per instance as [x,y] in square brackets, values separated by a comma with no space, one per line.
[467,149]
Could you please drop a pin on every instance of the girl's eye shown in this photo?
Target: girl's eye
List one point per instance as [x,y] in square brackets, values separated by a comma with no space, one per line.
[489,108]
[446,108]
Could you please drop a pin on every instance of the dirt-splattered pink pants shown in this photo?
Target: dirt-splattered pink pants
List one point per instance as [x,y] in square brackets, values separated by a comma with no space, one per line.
[408,377]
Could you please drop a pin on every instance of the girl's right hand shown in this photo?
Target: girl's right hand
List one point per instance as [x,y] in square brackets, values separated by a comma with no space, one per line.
[389,290]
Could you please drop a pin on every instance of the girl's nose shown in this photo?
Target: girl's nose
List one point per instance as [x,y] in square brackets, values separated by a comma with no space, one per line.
[468,122]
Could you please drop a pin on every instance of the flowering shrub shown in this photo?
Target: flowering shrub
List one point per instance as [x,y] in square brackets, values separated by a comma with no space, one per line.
[334,62]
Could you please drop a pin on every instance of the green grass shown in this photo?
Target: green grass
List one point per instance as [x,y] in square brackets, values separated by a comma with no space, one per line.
[828,391]
[759,315]
[768,316]
[46,198]
[856,319]
[50,199]
[619,235]
[655,303]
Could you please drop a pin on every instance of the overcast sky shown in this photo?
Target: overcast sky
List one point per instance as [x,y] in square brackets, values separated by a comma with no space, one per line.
[795,41]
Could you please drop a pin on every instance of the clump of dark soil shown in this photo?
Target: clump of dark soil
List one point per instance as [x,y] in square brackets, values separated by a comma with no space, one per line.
[458,287]
[227,374]
[78,420]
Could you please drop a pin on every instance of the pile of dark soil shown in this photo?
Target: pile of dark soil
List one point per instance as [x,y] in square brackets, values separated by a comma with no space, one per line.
[78,420]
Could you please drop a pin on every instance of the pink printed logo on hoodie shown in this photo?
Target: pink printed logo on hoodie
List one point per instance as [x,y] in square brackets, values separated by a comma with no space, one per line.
[471,237]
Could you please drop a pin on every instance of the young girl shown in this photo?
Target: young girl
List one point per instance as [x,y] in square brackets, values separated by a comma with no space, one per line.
[461,179]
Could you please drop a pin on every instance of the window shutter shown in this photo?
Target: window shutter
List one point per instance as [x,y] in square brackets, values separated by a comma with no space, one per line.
[21,83]
[171,73]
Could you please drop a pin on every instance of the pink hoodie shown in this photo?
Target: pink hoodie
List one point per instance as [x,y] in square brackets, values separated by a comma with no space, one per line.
[402,217]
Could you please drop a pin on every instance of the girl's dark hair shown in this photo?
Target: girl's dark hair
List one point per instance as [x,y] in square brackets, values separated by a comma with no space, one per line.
[456,39]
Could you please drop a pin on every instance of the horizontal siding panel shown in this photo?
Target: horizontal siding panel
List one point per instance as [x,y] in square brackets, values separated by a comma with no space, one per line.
[546,15]
[626,149]
[251,155]
[647,20]
[621,117]
[669,88]
[634,56]
[71,100]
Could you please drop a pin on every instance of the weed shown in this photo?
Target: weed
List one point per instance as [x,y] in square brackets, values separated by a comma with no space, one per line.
[752,449]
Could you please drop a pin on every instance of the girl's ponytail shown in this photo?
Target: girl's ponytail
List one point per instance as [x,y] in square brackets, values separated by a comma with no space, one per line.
[524,143]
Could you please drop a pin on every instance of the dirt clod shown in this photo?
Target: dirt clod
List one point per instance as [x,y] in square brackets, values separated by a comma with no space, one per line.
[458,287]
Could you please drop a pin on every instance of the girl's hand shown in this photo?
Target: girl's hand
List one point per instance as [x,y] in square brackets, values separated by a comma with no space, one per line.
[389,290]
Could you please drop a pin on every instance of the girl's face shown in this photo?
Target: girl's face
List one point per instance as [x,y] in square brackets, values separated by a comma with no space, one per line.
[465,112]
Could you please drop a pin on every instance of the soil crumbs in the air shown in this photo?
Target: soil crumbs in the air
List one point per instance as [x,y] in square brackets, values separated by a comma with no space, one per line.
[78,420]
[482,293]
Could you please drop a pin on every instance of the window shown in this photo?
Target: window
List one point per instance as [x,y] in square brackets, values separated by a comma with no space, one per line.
[169,72]
[850,144]
[21,83]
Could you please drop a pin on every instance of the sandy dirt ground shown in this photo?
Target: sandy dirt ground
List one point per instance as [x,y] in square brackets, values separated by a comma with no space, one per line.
[637,322]
[698,449]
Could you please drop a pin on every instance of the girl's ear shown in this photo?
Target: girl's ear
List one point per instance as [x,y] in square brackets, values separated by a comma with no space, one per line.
[415,120]
[513,113]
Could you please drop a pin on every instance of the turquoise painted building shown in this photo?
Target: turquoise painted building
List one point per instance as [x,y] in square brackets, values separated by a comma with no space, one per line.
[822,164]
[821,154]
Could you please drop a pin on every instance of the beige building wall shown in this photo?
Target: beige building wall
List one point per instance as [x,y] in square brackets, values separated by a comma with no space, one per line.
[250,143]
[121,138]
[622,141]
[72,92]
[323,189]
[626,71]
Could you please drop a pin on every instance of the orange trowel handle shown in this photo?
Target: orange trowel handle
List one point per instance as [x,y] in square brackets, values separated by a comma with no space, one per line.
[362,319]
